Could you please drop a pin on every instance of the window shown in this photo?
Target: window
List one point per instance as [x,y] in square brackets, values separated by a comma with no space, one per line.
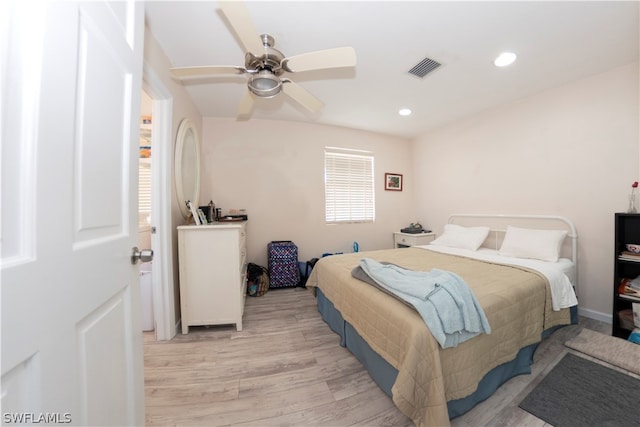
[144,194]
[144,168]
[348,186]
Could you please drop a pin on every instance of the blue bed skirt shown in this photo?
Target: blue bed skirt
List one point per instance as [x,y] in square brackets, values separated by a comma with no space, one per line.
[385,375]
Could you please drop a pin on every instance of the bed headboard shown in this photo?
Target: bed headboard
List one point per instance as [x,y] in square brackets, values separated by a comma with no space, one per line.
[498,223]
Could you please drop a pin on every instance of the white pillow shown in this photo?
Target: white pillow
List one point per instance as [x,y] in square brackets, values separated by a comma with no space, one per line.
[456,236]
[531,243]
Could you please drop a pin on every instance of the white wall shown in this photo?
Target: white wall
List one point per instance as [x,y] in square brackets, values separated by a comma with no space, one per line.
[182,107]
[275,170]
[571,151]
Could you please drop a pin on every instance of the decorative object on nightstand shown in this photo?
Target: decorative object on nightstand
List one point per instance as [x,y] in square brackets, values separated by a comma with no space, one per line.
[626,273]
[632,198]
[414,228]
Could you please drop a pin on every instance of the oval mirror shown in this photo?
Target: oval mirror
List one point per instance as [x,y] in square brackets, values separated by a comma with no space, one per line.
[187,166]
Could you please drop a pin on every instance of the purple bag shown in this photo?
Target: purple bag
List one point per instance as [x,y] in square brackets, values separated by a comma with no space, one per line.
[283,264]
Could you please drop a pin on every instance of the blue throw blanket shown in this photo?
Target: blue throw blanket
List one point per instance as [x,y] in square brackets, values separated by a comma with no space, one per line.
[442,298]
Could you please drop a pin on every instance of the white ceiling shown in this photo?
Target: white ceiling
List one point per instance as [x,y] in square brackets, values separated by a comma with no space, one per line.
[556,42]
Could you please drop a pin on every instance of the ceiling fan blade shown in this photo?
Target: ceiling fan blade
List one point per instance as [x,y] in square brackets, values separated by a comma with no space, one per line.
[238,16]
[204,71]
[302,96]
[320,60]
[245,107]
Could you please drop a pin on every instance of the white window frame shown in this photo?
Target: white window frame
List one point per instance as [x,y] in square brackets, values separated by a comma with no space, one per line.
[349,186]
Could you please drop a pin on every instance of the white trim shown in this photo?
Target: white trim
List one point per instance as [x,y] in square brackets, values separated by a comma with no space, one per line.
[162,268]
[596,315]
[341,150]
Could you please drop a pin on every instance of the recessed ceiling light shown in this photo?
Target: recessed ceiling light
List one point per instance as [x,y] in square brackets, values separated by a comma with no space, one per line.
[504,59]
[404,112]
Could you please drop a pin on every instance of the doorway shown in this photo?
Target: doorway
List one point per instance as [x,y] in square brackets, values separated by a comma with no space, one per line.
[161,222]
[145,229]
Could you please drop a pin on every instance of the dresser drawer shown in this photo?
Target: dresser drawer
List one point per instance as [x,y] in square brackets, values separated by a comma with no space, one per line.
[404,240]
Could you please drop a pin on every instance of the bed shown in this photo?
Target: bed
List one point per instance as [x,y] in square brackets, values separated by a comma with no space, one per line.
[522,271]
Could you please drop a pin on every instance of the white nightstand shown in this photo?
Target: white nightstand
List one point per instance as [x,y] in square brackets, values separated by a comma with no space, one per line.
[404,240]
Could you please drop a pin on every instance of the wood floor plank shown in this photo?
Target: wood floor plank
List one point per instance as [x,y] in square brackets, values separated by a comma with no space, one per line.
[245,410]
[191,360]
[385,418]
[287,368]
[369,405]
[290,379]
[350,385]
[196,394]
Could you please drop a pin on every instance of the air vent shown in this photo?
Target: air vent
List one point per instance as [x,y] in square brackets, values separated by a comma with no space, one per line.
[424,67]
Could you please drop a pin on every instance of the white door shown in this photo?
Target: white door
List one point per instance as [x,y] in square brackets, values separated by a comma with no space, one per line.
[71,336]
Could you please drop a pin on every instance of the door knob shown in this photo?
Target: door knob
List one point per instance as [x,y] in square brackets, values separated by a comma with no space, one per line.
[144,255]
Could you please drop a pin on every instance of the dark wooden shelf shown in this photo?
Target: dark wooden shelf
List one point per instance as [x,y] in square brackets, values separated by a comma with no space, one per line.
[627,230]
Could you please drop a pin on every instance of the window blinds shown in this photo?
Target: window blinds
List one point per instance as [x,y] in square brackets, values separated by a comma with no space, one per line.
[349,188]
[144,193]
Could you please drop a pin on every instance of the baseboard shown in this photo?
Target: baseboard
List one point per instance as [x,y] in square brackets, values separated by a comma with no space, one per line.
[595,315]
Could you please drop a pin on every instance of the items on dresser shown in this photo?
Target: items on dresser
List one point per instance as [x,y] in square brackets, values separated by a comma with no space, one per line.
[209,212]
[213,267]
[233,218]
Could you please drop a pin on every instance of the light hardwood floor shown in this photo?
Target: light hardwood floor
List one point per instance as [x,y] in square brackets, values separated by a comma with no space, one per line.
[287,368]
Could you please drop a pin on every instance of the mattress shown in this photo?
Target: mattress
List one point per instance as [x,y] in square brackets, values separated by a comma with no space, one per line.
[561,275]
[564,265]
[517,301]
[384,375]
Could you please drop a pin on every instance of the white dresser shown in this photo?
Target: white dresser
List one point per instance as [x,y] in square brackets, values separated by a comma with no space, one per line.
[213,267]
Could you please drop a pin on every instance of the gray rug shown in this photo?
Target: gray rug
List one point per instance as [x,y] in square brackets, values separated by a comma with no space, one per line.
[581,393]
[614,351]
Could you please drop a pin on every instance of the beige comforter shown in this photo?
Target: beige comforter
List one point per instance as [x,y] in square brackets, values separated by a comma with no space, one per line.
[517,303]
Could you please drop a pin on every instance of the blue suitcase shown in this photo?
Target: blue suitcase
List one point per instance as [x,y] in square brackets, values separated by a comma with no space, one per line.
[283,264]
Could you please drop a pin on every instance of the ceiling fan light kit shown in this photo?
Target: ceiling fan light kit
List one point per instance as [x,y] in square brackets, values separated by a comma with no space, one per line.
[265,84]
[265,64]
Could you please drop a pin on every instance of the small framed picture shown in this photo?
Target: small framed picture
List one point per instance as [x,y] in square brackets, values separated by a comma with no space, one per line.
[393,181]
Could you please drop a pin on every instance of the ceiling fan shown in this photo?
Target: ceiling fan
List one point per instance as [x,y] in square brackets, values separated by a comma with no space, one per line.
[266,65]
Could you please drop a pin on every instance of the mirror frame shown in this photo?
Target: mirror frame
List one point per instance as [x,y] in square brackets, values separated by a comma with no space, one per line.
[185,129]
